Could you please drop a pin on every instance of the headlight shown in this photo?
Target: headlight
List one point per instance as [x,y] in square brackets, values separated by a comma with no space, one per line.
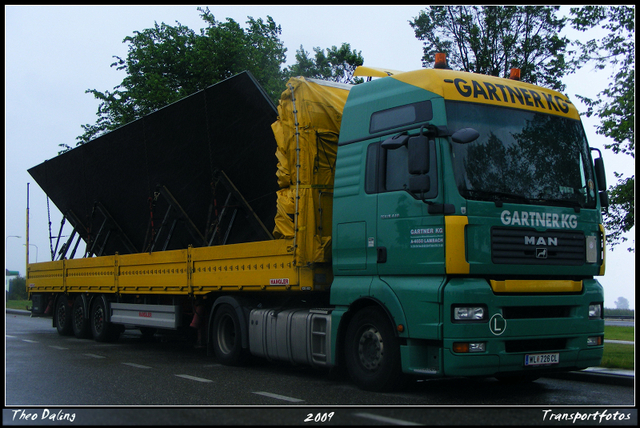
[469,347]
[595,311]
[594,341]
[469,313]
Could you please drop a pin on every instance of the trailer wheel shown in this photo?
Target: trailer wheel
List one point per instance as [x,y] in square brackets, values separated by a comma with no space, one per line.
[64,322]
[227,337]
[81,324]
[101,329]
[372,351]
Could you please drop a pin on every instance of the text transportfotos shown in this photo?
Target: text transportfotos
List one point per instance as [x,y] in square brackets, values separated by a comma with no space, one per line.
[597,416]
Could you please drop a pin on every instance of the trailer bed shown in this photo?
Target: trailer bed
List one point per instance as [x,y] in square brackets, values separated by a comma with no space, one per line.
[256,266]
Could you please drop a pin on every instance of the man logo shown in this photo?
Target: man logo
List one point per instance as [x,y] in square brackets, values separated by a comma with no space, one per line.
[541,253]
[540,240]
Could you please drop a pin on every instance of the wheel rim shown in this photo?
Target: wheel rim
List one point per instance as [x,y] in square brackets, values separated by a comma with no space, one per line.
[78,317]
[98,319]
[62,314]
[370,348]
[226,334]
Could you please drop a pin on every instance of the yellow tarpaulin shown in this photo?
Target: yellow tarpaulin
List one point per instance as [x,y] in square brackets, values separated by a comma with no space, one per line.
[307,129]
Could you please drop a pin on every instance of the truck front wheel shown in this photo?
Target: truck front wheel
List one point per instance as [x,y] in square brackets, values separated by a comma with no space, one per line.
[227,337]
[372,351]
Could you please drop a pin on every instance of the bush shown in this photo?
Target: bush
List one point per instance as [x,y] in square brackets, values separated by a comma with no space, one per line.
[608,312]
[17,289]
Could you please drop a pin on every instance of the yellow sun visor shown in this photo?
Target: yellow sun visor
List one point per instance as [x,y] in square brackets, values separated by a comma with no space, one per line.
[374,72]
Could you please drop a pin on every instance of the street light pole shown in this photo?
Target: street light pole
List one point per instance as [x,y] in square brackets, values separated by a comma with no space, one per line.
[34,245]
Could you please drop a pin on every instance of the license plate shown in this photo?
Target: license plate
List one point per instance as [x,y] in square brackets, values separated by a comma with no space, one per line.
[541,359]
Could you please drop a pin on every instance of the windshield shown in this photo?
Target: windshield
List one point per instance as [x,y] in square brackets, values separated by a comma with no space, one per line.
[521,156]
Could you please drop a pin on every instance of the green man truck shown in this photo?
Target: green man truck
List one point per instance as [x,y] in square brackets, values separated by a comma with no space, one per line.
[431,223]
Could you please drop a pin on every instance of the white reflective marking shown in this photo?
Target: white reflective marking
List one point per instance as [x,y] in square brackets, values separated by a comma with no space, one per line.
[139,366]
[279,397]
[199,379]
[384,419]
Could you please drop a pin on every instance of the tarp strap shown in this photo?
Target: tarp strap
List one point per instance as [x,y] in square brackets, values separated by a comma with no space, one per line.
[297,133]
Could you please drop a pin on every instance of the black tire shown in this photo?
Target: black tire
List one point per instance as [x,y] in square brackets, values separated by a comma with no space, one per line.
[101,329]
[372,351]
[226,337]
[64,317]
[81,324]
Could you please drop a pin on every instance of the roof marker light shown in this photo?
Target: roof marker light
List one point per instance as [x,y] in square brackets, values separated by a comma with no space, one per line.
[441,60]
[514,74]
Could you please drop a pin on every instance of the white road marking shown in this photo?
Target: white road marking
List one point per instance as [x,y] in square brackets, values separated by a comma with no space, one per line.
[30,341]
[94,356]
[390,421]
[279,397]
[58,347]
[199,379]
[139,366]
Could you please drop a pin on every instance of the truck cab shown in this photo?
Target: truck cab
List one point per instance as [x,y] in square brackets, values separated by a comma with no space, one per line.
[467,210]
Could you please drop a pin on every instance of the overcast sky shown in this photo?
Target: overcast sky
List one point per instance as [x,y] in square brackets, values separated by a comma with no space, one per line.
[53,54]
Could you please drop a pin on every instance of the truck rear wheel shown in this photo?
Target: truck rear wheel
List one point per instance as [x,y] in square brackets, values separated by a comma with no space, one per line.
[64,321]
[227,337]
[81,324]
[101,329]
[372,351]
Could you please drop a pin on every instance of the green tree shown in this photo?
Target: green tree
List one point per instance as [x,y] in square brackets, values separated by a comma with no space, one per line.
[337,64]
[166,63]
[493,39]
[17,288]
[614,105]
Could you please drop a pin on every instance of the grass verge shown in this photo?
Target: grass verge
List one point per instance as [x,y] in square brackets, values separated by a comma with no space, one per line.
[614,332]
[618,356]
[18,304]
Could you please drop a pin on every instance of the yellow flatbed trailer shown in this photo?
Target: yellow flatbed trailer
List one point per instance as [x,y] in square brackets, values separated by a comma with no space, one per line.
[253,266]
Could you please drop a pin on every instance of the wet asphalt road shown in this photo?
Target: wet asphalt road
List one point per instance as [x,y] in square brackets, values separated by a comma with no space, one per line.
[168,381]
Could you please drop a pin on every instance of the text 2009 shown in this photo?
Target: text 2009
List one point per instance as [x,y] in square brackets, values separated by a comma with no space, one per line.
[319,417]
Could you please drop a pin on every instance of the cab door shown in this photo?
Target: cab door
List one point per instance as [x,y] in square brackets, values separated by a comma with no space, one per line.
[410,222]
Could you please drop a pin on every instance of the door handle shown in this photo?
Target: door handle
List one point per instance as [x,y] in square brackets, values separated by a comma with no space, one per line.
[382,254]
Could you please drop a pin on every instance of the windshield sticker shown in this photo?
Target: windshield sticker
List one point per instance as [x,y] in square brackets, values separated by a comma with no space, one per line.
[538,219]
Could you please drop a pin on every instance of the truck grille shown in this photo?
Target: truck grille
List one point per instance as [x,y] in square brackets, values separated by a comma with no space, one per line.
[530,247]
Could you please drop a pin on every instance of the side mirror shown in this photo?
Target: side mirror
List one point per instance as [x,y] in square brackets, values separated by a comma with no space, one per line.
[600,174]
[419,184]
[418,154]
[601,178]
[465,136]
